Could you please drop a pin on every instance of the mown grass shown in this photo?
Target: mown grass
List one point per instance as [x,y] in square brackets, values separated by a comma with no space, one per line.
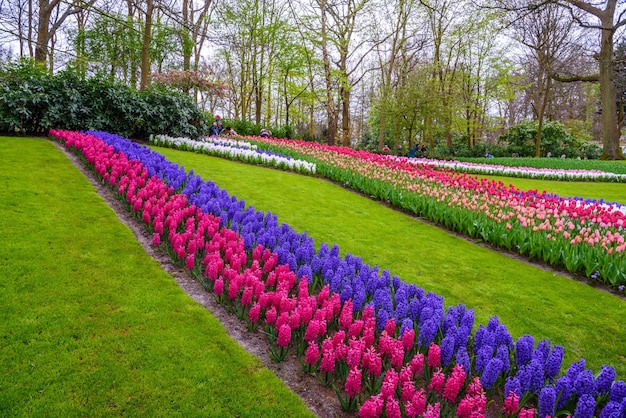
[90,325]
[588,322]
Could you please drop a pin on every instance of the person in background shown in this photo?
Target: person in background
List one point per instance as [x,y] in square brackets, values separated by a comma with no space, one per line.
[217,127]
[214,130]
[228,131]
[265,133]
[386,149]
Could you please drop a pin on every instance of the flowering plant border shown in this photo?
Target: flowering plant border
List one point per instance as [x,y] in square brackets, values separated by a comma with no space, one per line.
[383,344]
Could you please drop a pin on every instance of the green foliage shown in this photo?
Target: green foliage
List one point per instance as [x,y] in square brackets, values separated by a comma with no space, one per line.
[32,102]
[556,141]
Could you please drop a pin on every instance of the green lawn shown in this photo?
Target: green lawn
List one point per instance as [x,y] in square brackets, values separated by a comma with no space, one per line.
[90,325]
[589,323]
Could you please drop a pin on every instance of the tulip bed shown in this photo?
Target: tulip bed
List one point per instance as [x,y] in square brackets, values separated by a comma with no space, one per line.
[524,172]
[387,347]
[584,237]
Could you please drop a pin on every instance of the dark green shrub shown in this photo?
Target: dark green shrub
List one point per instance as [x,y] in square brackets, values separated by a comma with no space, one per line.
[32,101]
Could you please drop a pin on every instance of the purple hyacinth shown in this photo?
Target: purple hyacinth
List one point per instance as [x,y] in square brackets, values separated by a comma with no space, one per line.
[605,379]
[612,410]
[586,407]
[346,292]
[553,363]
[428,332]
[447,349]
[547,401]
[381,320]
[463,359]
[462,336]
[483,356]
[512,385]
[564,389]
[503,337]
[491,373]
[406,325]
[524,350]
[536,374]
[618,391]
[502,353]
[584,383]
[575,369]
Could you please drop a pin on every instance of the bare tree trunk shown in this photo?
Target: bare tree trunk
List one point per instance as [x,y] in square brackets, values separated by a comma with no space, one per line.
[330,101]
[43,30]
[610,131]
[145,46]
[345,116]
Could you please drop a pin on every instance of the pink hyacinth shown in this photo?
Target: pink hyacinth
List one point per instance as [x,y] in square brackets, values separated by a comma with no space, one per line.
[433,411]
[328,362]
[454,384]
[219,286]
[511,404]
[417,405]
[355,329]
[417,364]
[527,413]
[312,354]
[408,339]
[270,316]
[284,336]
[353,382]
[346,317]
[434,356]
[312,331]
[156,239]
[390,384]
[436,381]
[372,408]
[392,409]
[254,313]
[408,391]
[390,327]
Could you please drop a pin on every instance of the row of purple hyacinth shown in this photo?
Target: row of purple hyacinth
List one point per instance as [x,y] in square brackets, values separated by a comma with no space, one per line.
[533,372]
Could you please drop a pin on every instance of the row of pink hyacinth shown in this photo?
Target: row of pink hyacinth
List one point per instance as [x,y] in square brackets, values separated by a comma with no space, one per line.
[375,372]
[582,225]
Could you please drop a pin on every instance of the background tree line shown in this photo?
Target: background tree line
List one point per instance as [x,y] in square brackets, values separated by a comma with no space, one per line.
[354,72]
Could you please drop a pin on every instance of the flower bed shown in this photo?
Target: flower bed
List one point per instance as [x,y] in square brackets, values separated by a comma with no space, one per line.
[384,345]
[521,172]
[582,236]
[234,150]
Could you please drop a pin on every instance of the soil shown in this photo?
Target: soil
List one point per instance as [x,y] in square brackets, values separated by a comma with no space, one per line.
[322,401]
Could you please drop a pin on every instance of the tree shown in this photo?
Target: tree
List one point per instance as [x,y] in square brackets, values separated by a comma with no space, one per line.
[544,33]
[51,15]
[608,21]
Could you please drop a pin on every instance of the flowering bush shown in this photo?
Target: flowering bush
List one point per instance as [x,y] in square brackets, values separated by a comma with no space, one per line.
[387,347]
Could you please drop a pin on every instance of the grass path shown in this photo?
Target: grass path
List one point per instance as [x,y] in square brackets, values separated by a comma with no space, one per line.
[90,325]
[589,323]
